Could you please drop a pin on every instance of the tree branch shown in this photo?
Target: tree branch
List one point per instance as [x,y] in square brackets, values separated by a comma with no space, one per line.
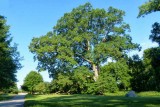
[84,58]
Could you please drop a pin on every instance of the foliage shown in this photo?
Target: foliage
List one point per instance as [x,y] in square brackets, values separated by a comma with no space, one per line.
[62,84]
[12,89]
[155,33]
[138,76]
[91,101]
[104,84]
[120,72]
[75,82]
[152,68]
[82,78]
[31,80]
[151,56]
[149,7]
[9,57]
[43,88]
[85,36]
[113,77]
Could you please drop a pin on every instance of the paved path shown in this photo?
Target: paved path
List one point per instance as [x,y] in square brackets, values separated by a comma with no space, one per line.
[17,101]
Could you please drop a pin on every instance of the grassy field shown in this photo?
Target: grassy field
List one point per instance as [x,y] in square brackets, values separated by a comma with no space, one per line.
[6,96]
[148,99]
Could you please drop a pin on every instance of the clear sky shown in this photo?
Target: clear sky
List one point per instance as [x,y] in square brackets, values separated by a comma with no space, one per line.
[34,18]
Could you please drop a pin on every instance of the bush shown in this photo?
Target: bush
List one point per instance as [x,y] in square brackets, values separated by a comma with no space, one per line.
[62,84]
[31,80]
[82,78]
[102,85]
[12,89]
[43,88]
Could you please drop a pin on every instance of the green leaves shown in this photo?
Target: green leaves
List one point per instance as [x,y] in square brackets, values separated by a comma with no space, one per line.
[152,67]
[84,36]
[155,36]
[119,71]
[149,7]
[9,57]
[31,80]
[74,82]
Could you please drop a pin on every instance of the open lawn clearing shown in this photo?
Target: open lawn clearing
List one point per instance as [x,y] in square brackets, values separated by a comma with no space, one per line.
[90,101]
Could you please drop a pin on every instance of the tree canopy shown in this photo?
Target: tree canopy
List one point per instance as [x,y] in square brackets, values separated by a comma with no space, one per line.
[31,81]
[149,7]
[9,57]
[84,37]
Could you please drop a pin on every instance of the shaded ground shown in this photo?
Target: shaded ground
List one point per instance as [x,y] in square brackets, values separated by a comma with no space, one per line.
[90,101]
[17,101]
[6,96]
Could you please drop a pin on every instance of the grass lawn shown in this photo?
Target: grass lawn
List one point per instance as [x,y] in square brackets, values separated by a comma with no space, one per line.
[114,100]
[6,96]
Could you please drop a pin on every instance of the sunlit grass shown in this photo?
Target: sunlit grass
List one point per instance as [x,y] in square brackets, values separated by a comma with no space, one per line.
[150,93]
[54,100]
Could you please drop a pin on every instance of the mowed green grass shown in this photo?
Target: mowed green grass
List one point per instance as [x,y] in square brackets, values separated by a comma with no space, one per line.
[109,100]
[6,97]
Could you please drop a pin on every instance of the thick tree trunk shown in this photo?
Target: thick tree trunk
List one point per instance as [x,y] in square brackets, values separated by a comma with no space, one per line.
[96,71]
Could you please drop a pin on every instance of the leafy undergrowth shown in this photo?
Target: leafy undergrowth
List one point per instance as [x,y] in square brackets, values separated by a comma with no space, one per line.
[6,96]
[91,101]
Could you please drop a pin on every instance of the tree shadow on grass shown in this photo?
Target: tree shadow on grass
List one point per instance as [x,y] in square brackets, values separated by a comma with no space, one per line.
[94,101]
[32,96]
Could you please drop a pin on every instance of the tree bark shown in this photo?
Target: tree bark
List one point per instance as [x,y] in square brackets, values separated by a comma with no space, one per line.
[88,45]
[96,71]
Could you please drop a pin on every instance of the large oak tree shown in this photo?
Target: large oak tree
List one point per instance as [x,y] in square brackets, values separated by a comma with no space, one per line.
[85,36]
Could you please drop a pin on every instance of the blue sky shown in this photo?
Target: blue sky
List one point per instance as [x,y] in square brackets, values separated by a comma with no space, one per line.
[34,18]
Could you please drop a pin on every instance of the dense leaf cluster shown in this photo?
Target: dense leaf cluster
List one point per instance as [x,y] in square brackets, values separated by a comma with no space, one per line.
[31,81]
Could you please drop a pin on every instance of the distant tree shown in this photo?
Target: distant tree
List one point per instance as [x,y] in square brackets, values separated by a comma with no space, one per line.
[31,81]
[155,33]
[43,88]
[40,88]
[9,57]
[85,36]
[119,73]
[149,7]
[138,75]
[152,68]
